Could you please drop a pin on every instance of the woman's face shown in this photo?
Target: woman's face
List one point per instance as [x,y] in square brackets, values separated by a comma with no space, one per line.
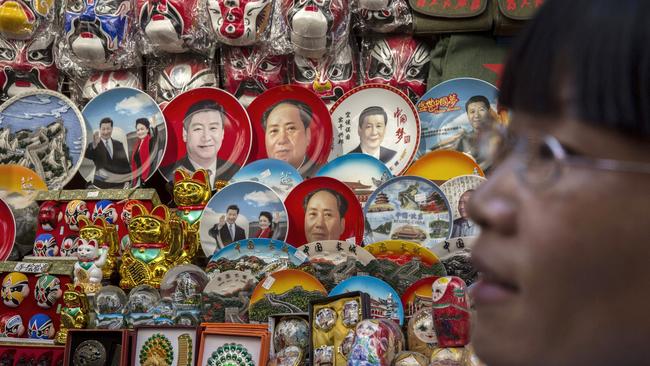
[141,131]
[264,222]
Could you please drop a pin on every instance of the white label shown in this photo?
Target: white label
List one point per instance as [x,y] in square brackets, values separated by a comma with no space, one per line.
[61,231]
[420,197]
[31,267]
[300,255]
[266,173]
[351,240]
[93,194]
[268,282]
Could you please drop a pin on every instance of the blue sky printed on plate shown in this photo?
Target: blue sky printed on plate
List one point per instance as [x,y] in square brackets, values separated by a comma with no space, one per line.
[376,288]
[356,167]
[123,106]
[280,176]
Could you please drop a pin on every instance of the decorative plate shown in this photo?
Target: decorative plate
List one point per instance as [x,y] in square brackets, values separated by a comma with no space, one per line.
[255,209]
[335,252]
[137,134]
[454,112]
[230,142]
[384,301]
[8,230]
[45,132]
[408,208]
[360,172]
[255,256]
[277,174]
[441,165]
[402,252]
[287,291]
[458,191]
[16,178]
[418,296]
[225,298]
[322,217]
[392,136]
[308,147]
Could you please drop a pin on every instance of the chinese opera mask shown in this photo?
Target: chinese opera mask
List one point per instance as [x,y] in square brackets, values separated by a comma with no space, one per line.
[182,73]
[383,16]
[73,210]
[329,77]
[167,23]
[15,288]
[316,25]
[47,291]
[27,65]
[20,19]
[250,71]
[126,210]
[45,246]
[240,22]
[11,325]
[101,81]
[49,215]
[96,29]
[40,326]
[69,246]
[399,61]
[105,209]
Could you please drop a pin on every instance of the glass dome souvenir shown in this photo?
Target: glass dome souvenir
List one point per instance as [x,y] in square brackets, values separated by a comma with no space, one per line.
[142,299]
[182,286]
[110,306]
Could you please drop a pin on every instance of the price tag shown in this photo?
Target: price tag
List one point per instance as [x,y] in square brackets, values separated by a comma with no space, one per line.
[92,194]
[266,173]
[61,230]
[31,267]
[268,282]
[300,255]
[420,197]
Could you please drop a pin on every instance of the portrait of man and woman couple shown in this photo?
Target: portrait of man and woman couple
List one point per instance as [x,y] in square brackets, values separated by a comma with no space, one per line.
[240,211]
[126,139]
[203,131]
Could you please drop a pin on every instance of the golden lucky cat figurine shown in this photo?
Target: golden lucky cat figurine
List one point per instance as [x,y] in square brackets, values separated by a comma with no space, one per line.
[104,234]
[191,194]
[74,313]
[156,246]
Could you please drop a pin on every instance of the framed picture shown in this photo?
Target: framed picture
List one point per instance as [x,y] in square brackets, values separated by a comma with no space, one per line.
[164,346]
[248,342]
[92,345]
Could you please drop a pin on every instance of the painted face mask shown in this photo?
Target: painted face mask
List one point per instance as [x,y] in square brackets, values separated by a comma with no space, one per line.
[11,325]
[329,77]
[49,215]
[69,246]
[182,73]
[105,209]
[96,29]
[40,326]
[20,19]
[101,81]
[315,25]
[45,246]
[167,23]
[47,291]
[126,210]
[73,210]
[15,288]
[399,61]
[26,66]
[239,22]
[250,71]
[383,16]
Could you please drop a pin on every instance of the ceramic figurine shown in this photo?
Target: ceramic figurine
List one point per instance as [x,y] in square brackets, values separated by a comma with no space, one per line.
[240,23]
[15,289]
[105,235]
[40,326]
[191,194]
[376,343]
[47,291]
[49,215]
[74,313]
[156,245]
[11,325]
[45,246]
[73,211]
[451,311]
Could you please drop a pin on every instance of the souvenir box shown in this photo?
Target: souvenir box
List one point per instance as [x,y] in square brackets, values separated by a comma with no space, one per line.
[247,342]
[87,346]
[175,345]
[31,295]
[281,336]
[333,321]
[41,354]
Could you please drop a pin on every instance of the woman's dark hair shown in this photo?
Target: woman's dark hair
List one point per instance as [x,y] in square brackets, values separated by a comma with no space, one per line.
[143,121]
[588,59]
[267,215]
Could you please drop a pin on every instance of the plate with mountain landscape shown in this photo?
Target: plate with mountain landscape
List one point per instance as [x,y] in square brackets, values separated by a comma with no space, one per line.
[287,291]
[255,256]
[226,297]
[45,132]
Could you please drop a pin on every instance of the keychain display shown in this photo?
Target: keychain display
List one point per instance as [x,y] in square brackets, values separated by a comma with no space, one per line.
[169,76]
[240,23]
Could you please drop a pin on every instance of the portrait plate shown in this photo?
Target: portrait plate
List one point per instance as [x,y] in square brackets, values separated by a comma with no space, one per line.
[277,174]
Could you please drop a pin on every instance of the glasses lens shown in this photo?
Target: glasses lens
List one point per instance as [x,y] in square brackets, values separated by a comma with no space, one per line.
[539,164]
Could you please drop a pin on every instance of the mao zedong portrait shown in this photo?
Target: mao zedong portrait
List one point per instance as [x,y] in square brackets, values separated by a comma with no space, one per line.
[372,129]
[325,211]
[286,131]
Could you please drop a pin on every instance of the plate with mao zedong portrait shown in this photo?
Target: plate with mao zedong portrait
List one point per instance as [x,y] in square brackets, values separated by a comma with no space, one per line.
[8,230]
[126,138]
[44,131]
[323,208]
[408,208]
[209,129]
[377,120]
[291,124]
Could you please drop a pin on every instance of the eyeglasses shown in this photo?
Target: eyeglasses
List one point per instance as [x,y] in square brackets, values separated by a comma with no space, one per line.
[542,159]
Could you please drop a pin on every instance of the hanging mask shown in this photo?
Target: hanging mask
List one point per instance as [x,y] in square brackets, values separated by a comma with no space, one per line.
[45,246]
[167,23]
[47,291]
[248,72]
[399,61]
[73,211]
[315,26]
[49,215]
[11,325]
[101,81]
[126,211]
[95,30]
[40,326]
[15,288]
[69,246]
[20,19]
[27,65]
[328,77]
[105,209]
[240,22]
[180,74]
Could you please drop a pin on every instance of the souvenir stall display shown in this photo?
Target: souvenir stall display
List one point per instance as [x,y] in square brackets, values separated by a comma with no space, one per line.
[253,182]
